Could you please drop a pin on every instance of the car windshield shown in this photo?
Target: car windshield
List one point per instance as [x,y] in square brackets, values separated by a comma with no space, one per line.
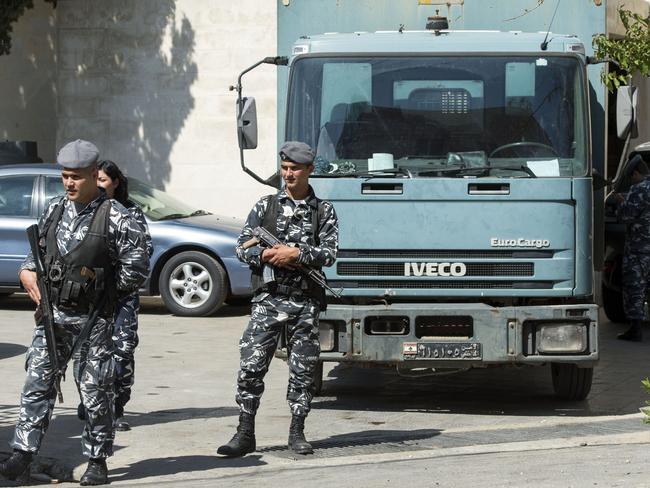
[478,116]
[158,205]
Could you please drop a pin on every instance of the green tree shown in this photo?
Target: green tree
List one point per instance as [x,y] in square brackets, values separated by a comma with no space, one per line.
[646,410]
[631,52]
[10,12]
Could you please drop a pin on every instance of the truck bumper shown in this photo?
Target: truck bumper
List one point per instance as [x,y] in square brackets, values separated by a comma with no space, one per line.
[460,335]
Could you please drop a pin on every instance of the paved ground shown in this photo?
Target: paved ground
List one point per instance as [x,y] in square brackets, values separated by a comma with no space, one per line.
[498,427]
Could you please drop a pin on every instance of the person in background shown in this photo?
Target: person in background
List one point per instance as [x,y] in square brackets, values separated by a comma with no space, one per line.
[125,329]
[634,211]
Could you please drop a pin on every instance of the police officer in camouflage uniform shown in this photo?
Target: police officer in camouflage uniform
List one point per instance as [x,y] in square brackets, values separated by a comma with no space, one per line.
[283,297]
[94,252]
[634,210]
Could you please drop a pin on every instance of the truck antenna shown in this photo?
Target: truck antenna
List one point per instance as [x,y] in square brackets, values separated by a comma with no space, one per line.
[544,45]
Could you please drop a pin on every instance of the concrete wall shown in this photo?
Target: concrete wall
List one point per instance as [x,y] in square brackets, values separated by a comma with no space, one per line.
[28,81]
[148,82]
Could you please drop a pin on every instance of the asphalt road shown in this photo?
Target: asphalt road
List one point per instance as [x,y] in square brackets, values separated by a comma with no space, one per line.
[370,427]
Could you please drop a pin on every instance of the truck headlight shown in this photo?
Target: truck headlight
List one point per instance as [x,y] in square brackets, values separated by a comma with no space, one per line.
[562,338]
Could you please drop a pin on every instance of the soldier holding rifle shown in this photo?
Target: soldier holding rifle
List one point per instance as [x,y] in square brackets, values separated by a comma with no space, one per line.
[92,252]
[284,295]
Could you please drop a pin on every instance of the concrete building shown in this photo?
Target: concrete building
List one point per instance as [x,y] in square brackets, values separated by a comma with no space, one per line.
[147,81]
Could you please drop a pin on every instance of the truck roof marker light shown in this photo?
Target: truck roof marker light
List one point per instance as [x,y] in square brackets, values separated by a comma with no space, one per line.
[300,49]
[575,48]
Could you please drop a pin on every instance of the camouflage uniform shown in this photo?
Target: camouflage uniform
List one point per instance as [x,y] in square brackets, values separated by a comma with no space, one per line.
[271,312]
[635,212]
[93,366]
[125,328]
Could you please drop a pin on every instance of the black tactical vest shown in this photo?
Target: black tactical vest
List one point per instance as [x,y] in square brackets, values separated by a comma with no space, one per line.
[80,277]
[270,223]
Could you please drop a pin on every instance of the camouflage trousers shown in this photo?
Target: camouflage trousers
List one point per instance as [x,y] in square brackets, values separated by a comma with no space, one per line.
[269,317]
[125,340]
[93,369]
[635,277]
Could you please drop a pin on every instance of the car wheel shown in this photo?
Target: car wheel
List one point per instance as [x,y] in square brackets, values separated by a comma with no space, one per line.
[613,304]
[571,382]
[192,284]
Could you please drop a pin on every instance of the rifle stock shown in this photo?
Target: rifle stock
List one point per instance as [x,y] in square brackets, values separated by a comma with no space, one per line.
[43,313]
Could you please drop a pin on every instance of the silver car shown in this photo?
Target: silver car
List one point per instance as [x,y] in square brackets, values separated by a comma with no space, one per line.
[193,267]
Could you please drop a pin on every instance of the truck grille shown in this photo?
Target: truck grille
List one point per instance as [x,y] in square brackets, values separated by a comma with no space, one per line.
[397,269]
[443,254]
[431,284]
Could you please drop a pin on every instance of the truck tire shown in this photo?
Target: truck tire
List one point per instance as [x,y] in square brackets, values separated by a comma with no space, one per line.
[571,382]
[193,284]
[613,304]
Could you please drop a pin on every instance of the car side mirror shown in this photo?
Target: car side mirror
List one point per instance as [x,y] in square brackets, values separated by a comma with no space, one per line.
[626,101]
[247,123]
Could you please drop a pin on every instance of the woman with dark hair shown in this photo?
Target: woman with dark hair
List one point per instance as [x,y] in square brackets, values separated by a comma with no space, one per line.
[125,330]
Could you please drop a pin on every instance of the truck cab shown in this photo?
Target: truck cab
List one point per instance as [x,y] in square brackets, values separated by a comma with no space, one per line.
[459,164]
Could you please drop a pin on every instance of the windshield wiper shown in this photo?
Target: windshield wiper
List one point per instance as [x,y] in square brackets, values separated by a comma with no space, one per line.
[468,169]
[199,212]
[373,173]
[173,216]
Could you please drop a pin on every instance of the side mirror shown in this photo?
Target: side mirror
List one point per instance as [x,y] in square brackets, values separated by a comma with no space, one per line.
[247,123]
[626,100]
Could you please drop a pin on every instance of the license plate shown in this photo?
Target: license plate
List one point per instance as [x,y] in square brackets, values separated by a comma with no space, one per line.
[442,350]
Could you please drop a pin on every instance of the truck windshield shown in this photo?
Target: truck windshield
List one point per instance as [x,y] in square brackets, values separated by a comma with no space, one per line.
[416,116]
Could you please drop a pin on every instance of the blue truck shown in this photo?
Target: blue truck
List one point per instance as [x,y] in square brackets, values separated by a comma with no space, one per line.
[460,164]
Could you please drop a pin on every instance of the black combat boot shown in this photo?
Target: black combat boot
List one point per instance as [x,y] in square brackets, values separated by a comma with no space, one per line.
[297,441]
[120,424]
[81,412]
[96,473]
[243,441]
[632,334]
[16,465]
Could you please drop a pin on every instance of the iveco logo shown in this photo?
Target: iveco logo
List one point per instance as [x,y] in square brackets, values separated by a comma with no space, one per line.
[435,269]
[521,242]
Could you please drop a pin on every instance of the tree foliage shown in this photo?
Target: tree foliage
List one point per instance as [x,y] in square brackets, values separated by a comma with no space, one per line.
[631,53]
[10,12]
[646,410]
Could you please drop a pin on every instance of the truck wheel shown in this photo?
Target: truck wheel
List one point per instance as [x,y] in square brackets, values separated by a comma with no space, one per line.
[192,284]
[613,304]
[571,382]
[318,379]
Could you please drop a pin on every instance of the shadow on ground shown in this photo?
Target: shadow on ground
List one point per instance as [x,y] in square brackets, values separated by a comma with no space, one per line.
[181,464]
[157,417]
[362,439]
[8,350]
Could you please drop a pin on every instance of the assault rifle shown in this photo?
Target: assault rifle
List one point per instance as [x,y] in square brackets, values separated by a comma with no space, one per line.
[44,311]
[263,236]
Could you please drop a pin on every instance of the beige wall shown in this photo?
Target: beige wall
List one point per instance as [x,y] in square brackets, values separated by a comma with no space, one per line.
[28,81]
[148,82]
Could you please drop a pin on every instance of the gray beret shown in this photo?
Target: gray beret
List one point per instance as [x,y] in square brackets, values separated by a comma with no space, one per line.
[297,152]
[77,154]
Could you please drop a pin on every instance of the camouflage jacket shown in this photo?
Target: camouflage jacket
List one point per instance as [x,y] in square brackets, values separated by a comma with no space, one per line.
[127,245]
[294,227]
[635,212]
[138,215]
